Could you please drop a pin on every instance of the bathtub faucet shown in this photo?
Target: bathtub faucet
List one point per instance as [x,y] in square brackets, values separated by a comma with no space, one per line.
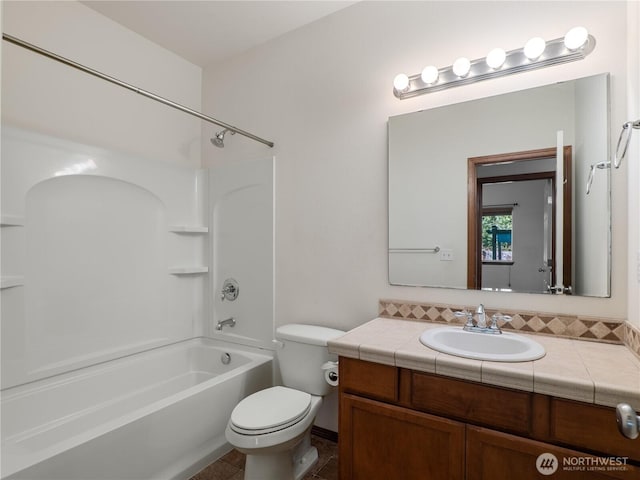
[228,321]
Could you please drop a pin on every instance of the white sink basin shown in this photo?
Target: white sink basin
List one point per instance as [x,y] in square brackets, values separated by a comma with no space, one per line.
[506,347]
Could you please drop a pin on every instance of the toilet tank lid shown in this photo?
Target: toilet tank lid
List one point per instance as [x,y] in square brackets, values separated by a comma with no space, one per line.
[309,334]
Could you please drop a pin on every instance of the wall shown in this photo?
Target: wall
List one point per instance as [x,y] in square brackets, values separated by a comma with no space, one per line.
[633,163]
[43,95]
[323,93]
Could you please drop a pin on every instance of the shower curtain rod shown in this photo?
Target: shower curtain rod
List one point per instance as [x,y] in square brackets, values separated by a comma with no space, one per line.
[128,86]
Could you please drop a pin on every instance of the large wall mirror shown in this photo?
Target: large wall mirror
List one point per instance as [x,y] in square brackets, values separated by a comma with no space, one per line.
[493,193]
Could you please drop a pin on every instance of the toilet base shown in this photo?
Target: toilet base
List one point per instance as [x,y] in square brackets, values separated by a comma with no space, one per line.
[288,465]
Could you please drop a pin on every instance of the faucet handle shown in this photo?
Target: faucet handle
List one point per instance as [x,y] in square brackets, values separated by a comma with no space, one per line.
[467,315]
[499,316]
[230,290]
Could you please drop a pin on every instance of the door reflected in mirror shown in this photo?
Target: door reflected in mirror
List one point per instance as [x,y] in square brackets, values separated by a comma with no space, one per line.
[491,194]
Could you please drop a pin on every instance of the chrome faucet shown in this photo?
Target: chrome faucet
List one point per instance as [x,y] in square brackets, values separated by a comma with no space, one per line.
[480,323]
[481,319]
[228,321]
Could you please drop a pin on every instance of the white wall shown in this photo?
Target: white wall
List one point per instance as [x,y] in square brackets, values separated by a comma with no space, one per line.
[43,95]
[633,162]
[323,93]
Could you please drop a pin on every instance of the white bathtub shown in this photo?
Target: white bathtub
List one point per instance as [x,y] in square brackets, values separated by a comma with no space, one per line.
[159,414]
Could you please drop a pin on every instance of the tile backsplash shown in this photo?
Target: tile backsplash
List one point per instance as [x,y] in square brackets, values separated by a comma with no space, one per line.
[632,338]
[568,326]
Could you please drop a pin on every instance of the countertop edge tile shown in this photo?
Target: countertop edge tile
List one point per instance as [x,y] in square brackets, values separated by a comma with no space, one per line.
[376,354]
[416,362]
[345,352]
[458,367]
[493,373]
[611,396]
[555,385]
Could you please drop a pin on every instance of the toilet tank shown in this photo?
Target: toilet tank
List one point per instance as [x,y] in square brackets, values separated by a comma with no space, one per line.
[303,354]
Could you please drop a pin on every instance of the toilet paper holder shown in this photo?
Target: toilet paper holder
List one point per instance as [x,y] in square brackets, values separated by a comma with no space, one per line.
[331,372]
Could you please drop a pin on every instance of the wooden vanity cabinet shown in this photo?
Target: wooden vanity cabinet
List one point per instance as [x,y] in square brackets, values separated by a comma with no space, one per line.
[389,442]
[402,424]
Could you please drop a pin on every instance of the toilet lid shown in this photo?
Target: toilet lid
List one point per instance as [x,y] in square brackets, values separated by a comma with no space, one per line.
[272,409]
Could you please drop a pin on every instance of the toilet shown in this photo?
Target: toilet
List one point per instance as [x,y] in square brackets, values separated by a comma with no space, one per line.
[273,426]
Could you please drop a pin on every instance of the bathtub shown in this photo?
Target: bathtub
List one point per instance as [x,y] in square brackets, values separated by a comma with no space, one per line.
[159,414]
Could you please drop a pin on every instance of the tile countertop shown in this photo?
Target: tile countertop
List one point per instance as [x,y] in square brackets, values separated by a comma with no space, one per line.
[592,372]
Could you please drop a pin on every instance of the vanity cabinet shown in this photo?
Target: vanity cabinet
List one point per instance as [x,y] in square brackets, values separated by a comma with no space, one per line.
[391,442]
[397,423]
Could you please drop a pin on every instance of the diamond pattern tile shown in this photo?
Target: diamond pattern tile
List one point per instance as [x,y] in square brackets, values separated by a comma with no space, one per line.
[632,339]
[596,329]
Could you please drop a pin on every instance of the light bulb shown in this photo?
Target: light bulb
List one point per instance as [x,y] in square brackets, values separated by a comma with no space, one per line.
[429,74]
[575,38]
[534,47]
[401,82]
[496,58]
[461,67]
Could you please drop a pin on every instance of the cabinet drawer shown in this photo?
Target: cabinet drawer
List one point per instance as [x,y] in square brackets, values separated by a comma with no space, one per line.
[369,379]
[473,402]
[590,426]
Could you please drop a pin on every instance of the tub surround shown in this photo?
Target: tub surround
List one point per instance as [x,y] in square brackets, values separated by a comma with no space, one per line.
[571,369]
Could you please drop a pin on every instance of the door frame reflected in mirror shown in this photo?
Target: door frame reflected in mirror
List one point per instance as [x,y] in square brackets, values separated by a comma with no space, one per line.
[475,208]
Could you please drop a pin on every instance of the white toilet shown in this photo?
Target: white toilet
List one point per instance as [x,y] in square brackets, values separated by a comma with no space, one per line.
[273,426]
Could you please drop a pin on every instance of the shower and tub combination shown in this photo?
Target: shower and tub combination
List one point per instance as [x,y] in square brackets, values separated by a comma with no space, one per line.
[112,270]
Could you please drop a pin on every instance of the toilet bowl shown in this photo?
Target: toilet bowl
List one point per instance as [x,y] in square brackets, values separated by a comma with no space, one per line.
[273,426]
[269,436]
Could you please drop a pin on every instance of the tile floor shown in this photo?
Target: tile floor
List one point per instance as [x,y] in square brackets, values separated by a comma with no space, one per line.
[230,467]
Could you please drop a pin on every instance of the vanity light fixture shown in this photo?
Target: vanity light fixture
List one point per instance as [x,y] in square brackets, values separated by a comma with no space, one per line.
[537,53]
[429,75]
[401,83]
[576,38]
[461,67]
[496,58]
[534,47]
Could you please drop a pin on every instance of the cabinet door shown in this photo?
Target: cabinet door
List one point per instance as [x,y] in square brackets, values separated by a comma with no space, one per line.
[386,442]
[494,455]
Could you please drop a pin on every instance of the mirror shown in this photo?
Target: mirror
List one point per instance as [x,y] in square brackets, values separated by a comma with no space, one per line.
[492,193]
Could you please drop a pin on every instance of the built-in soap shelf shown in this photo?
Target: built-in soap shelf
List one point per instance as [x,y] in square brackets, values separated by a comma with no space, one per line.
[188,270]
[7,220]
[11,281]
[188,229]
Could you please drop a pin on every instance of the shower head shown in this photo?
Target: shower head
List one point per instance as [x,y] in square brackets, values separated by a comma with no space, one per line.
[218,140]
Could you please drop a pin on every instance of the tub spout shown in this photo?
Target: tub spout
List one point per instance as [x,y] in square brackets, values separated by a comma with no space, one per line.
[228,321]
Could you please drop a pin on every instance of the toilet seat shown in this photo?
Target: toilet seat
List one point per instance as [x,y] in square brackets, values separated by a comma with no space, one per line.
[270,410]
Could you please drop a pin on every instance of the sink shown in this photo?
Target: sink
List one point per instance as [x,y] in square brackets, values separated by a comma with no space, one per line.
[506,347]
